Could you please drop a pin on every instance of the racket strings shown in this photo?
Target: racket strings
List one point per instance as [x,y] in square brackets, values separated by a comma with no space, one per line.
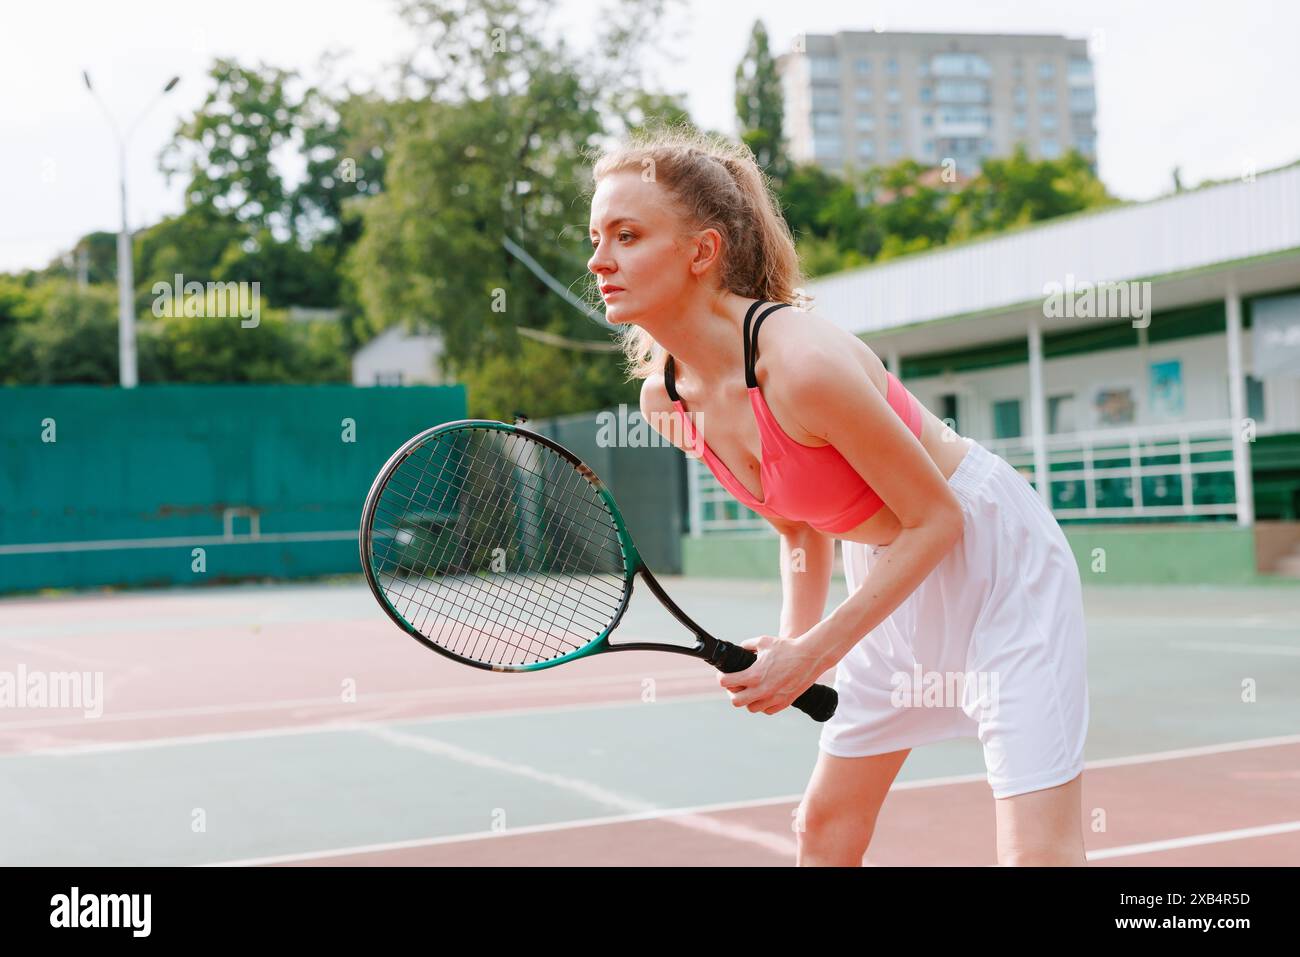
[468,608]
[502,609]
[496,548]
[614,597]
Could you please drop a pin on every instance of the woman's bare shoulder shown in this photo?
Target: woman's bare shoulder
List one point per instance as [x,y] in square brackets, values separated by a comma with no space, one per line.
[798,342]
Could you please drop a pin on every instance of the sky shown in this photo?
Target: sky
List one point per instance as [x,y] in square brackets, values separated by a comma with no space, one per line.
[1208,87]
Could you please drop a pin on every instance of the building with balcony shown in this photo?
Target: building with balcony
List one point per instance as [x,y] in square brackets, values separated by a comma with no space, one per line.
[857,99]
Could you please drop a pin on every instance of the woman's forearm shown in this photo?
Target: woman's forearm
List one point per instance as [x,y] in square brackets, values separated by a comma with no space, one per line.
[898,571]
[806,560]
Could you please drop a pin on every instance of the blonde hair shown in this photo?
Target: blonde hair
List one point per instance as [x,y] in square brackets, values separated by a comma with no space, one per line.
[715,183]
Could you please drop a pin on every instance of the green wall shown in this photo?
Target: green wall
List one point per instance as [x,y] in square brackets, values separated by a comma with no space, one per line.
[166,462]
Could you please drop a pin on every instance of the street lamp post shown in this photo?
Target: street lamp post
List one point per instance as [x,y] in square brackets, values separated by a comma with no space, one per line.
[125,278]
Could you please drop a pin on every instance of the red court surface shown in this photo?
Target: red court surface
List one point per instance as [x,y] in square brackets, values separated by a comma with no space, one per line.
[184,668]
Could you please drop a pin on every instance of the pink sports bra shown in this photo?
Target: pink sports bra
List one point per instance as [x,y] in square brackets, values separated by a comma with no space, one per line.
[805,483]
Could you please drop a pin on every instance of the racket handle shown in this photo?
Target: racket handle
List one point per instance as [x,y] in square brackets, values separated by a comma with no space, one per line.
[818,702]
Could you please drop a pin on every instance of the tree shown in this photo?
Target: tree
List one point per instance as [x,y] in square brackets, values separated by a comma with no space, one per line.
[58,334]
[226,149]
[498,151]
[759,105]
[1015,190]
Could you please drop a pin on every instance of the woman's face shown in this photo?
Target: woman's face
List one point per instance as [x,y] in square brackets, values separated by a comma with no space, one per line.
[638,248]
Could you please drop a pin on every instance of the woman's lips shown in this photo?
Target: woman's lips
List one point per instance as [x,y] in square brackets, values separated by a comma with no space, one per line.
[612,292]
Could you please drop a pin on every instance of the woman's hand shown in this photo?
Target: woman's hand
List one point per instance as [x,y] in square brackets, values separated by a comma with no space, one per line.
[785,669]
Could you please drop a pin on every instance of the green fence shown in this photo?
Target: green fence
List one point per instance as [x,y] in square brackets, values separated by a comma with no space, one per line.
[645,474]
[190,484]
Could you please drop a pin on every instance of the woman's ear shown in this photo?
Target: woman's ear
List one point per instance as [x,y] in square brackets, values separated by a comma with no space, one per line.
[708,246]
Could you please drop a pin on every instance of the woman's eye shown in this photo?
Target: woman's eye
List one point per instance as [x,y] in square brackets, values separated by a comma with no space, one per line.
[621,235]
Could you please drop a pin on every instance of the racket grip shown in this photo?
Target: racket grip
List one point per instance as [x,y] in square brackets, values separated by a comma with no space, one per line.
[818,702]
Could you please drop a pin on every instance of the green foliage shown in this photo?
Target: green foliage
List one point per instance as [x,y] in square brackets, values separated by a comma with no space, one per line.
[759,106]
[57,333]
[889,211]
[226,149]
[211,349]
[405,202]
[497,153]
[540,380]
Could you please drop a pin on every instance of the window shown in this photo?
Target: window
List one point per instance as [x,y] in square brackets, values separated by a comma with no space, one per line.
[892,67]
[895,121]
[825,68]
[1047,70]
[964,114]
[962,91]
[948,411]
[826,121]
[865,123]
[1048,148]
[1254,397]
[1021,95]
[926,94]
[862,94]
[1047,96]
[895,147]
[1082,100]
[825,98]
[1047,121]
[388,377]
[1006,419]
[928,119]
[1019,120]
[826,146]
[866,149]
[893,96]
[961,64]
[1060,414]
[1087,145]
[862,66]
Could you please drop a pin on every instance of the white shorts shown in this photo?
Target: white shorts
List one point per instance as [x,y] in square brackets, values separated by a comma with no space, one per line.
[991,644]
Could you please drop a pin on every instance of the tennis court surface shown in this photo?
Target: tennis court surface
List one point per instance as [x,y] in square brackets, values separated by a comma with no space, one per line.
[294,724]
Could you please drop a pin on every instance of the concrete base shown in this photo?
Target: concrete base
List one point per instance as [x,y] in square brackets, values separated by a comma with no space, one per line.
[1213,553]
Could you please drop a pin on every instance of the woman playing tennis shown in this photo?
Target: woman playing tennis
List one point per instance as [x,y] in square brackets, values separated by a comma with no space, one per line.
[955,567]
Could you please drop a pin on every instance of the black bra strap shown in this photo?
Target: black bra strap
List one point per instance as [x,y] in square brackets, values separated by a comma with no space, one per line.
[751,349]
[751,346]
[668,380]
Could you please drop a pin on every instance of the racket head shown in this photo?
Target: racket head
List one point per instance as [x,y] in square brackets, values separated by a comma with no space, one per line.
[497,547]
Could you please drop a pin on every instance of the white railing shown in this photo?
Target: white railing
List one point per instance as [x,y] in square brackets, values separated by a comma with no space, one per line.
[1148,471]
[1154,471]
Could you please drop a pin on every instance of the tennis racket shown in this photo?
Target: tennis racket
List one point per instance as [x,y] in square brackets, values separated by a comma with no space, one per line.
[501,549]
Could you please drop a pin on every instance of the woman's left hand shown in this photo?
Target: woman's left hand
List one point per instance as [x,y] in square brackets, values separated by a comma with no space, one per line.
[785,669]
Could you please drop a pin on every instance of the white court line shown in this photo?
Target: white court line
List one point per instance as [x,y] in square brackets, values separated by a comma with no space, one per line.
[340,724]
[379,697]
[1284,650]
[745,805]
[588,790]
[1194,840]
[174,541]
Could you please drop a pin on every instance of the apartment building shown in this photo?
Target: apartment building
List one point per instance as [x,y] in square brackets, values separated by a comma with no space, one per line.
[859,99]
